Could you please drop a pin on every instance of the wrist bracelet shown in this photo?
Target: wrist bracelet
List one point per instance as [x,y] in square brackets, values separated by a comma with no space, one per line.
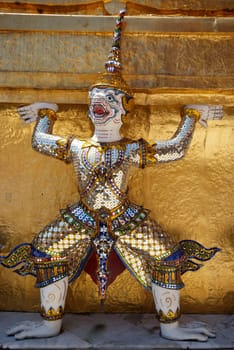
[190,112]
[46,112]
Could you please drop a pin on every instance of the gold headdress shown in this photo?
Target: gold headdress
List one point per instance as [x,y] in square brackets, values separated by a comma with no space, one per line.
[112,77]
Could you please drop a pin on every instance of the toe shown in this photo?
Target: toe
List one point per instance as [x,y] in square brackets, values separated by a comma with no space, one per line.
[21,335]
[201,337]
[205,331]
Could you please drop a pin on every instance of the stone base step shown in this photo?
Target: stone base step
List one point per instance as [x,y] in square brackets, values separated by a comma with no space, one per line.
[117,331]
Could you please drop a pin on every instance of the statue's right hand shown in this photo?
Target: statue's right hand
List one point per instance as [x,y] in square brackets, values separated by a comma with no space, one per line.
[29,113]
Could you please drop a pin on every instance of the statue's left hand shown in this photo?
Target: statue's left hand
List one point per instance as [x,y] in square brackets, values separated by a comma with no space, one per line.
[207,112]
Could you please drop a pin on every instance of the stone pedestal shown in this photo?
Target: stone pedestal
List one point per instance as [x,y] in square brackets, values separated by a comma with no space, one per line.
[117,331]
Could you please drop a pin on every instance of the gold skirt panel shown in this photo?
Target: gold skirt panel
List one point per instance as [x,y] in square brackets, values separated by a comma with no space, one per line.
[145,244]
[60,240]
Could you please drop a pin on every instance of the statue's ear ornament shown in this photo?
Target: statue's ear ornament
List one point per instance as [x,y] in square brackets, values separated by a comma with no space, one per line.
[112,76]
[128,103]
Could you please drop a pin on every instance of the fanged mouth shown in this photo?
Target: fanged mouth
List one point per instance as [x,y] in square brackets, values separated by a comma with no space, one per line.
[99,110]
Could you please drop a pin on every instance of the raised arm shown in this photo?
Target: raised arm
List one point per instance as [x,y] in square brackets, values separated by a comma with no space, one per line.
[175,148]
[42,140]
[142,153]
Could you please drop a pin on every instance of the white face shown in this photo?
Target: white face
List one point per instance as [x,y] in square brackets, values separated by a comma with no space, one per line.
[106,106]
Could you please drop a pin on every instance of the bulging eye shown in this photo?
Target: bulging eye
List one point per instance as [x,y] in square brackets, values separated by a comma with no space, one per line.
[110,98]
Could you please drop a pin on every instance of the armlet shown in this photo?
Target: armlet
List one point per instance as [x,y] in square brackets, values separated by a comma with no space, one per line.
[63,151]
[190,112]
[147,155]
[46,112]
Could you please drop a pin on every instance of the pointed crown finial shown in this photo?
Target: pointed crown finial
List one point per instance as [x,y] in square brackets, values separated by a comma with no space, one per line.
[112,77]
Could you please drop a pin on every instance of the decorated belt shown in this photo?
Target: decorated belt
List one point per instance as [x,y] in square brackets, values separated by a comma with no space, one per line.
[122,219]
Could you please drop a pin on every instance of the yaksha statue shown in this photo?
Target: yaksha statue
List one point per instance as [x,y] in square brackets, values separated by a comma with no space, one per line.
[105,224]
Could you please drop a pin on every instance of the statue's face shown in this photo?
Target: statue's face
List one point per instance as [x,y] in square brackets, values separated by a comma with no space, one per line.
[106,106]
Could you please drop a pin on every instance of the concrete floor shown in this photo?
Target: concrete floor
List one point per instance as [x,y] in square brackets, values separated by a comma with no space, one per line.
[117,331]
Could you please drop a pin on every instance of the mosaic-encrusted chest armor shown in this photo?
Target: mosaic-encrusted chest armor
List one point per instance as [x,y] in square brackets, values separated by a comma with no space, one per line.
[102,168]
[102,171]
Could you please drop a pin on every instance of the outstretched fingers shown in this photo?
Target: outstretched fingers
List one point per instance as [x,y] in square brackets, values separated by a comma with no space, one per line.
[25,110]
[28,114]
[215,112]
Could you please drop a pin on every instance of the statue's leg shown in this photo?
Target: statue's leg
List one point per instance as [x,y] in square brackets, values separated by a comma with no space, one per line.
[53,282]
[157,262]
[167,303]
[57,254]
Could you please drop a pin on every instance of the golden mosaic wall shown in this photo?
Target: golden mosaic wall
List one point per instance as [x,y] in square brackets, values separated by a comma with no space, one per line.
[192,198]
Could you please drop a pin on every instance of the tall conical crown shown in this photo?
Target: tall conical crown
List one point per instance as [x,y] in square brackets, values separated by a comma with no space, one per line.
[112,77]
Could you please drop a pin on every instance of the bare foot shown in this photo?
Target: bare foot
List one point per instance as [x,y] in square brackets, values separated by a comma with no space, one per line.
[174,331]
[27,329]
